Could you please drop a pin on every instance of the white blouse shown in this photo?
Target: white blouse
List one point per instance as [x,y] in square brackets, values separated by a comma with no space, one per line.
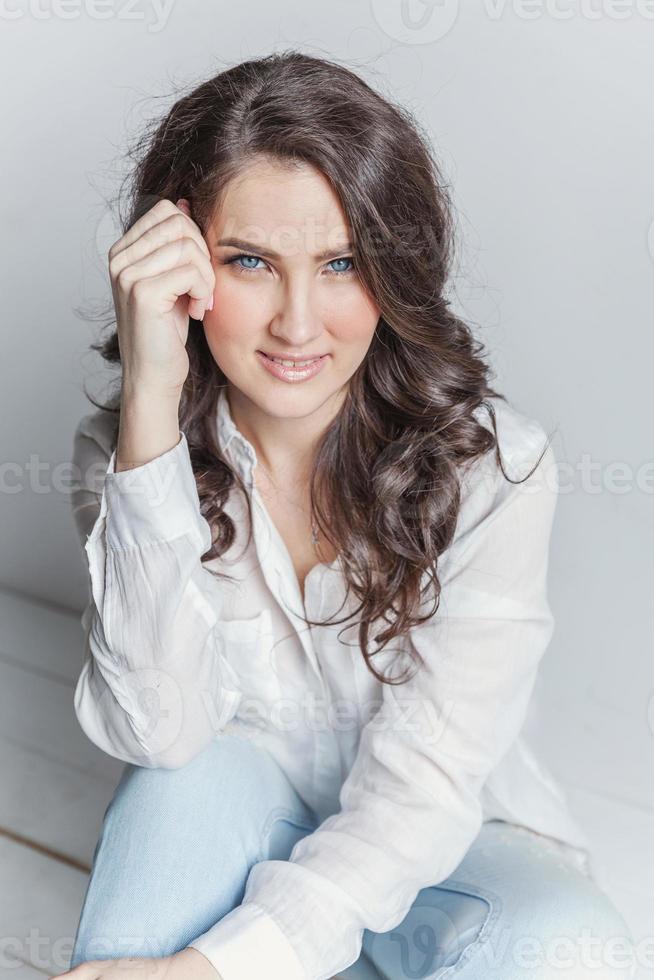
[401,777]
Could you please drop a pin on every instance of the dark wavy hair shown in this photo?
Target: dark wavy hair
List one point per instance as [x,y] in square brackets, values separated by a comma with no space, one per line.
[385,482]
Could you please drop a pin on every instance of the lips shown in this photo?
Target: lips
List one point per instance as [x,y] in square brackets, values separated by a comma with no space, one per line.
[292,373]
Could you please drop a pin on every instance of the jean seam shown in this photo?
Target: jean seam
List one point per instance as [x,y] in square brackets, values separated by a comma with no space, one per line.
[472,948]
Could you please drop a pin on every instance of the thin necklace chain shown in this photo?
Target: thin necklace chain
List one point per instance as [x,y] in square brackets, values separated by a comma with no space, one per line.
[314,526]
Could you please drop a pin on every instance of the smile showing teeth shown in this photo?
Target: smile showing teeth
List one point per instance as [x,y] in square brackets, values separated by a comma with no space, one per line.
[300,364]
[291,371]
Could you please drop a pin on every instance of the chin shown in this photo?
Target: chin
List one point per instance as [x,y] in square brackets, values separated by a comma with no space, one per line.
[287,401]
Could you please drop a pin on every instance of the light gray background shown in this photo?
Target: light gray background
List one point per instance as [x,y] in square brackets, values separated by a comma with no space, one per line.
[542,117]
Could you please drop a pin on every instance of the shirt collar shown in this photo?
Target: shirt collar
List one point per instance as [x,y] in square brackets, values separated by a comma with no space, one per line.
[241,452]
[232,441]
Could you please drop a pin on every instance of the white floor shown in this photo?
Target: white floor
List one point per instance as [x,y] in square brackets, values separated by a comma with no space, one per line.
[56,785]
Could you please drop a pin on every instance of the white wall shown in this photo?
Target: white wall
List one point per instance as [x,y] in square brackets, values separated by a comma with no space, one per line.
[544,125]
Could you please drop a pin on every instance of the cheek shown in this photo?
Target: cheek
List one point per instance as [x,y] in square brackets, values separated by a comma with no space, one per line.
[237,312]
[353,320]
[227,338]
[236,301]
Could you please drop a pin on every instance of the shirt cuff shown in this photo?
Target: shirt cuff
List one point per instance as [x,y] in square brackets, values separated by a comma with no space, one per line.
[248,943]
[157,501]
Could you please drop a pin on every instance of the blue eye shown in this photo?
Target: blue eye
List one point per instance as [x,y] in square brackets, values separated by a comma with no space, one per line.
[342,272]
[236,261]
[243,255]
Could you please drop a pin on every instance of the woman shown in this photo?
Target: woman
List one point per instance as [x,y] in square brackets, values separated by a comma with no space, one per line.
[318,590]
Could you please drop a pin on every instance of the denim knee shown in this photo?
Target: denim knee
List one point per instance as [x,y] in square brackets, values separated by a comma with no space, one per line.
[176,847]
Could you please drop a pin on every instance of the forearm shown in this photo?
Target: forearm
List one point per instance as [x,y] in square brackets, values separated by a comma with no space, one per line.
[156,687]
[149,427]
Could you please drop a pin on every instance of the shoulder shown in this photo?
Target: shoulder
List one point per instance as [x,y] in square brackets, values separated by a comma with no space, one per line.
[93,443]
[95,434]
[486,493]
[92,449]
[521,438]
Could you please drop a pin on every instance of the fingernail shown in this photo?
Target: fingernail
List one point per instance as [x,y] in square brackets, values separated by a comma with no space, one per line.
[210,303]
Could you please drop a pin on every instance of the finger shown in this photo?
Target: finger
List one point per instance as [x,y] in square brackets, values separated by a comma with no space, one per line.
[162,209]
[185,207]
[177,229]
[89,970]
[195,309]
[174,253]
[167,287]
[164,222]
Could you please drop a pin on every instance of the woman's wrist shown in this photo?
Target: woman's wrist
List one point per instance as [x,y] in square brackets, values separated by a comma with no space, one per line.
[149,427]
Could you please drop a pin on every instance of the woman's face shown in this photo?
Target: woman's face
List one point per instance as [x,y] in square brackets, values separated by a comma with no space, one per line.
[285,285]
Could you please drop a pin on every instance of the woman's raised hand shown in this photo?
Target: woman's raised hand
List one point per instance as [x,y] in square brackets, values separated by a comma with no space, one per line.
[161,274]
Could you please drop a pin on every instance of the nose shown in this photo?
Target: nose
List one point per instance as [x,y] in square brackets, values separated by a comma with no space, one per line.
[296,323]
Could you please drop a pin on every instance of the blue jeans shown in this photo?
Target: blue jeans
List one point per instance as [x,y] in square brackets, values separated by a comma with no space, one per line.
[177,845]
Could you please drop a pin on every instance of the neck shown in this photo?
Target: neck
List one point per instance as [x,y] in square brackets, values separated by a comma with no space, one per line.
[285,447]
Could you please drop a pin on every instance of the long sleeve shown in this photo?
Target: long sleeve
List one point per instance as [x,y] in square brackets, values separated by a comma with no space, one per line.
[154,688]
[410,805]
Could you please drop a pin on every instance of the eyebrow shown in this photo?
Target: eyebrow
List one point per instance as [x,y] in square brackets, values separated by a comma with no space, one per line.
[269,254]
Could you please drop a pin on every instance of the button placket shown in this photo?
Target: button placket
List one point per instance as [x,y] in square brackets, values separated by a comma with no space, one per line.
[289,605]
[272,554]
